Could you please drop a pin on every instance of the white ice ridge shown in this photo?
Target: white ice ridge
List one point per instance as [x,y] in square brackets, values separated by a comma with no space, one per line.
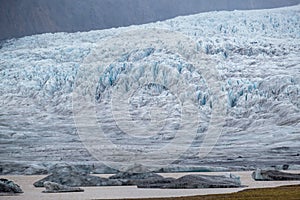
[257,55]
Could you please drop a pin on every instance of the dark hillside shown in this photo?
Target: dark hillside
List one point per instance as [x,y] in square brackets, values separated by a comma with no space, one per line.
[26,17]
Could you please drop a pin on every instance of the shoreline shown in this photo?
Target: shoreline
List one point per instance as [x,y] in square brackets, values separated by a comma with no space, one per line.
[122,192]
[280,193]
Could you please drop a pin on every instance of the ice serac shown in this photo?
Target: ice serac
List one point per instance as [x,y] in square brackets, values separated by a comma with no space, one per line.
[257,58]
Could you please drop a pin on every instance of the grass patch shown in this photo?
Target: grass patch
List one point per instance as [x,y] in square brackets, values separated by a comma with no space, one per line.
[279,193]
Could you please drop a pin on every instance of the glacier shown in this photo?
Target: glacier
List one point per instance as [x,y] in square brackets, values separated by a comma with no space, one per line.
[257,56]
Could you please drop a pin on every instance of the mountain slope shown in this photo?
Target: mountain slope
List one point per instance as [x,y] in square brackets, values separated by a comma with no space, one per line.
[21,18]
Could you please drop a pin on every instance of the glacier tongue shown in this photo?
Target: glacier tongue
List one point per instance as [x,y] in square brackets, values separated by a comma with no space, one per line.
[257,55]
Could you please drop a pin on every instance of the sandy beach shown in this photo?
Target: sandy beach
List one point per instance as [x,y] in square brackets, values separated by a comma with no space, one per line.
[32,193]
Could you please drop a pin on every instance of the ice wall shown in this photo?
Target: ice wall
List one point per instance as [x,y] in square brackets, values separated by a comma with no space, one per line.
[257,58]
